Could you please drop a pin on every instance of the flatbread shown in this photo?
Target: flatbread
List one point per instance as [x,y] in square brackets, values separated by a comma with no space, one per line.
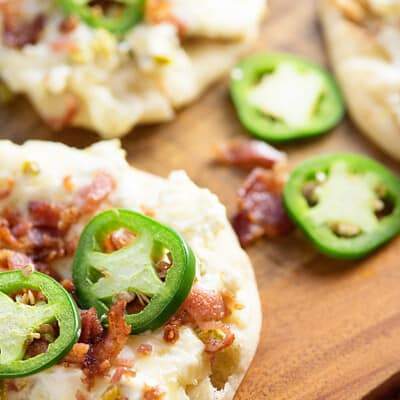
[363,40]
[110,85]
[181,370]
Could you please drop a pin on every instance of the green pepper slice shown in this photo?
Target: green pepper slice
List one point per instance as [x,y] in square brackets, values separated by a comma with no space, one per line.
[347,204]
[132,14]
[316,88]
[19,321]
[100,277]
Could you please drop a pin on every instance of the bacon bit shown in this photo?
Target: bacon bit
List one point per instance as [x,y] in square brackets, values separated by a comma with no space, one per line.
[44,214]
[248,154]
[65,45]
[11,260]
[159,11]
[68,285]
[69,24]
[149,212]
[153,393]
[123,362]
[68,184]
[117,240]
[77,354]
[71,108]
[230,302]
[204,305]
[217,336]
[352,9]
[144,349]
[200,306]
[171,331]
[92,329]
[99,359]
[92,195]
[119,373]
[6,187]
[69,216]
[261,210]
[79,395]
[17,31]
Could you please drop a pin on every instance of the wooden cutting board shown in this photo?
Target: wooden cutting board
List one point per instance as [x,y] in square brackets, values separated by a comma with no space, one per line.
[331,329]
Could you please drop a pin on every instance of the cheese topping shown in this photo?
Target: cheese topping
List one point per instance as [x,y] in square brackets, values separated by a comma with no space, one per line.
[385,8]
[288,94]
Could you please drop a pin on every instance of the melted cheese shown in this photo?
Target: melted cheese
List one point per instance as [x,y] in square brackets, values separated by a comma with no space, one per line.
[385,8]
[288,94]
[219,18]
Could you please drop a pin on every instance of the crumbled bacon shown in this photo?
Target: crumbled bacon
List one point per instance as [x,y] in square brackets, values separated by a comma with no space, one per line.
[171,331]
[248,154]
[119,373]
[261,211]
[10,260]
[145,349]
[17,30]
[44,214]
[42,233]
[91,196]
[203,305]
[65,45]
[217,335]
[153,393]
[6,187]
[79,395]
[68,183]
[77,354]
[100,356]
[68,285]
[69,24]
[92,329]
[117,240]
[159,11]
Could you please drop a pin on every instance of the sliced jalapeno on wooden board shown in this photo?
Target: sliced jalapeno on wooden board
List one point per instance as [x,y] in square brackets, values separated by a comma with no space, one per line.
[347,204]
[280,97]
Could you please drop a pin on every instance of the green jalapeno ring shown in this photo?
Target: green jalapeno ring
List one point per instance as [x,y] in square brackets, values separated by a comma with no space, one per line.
[132,15]
[247,73]
[166,297]
[321,236]
[60,307]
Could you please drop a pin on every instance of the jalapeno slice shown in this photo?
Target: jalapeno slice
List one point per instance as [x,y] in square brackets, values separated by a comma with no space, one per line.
[280,97]
[19,322]
[101,278]
[347,204]
[130,14]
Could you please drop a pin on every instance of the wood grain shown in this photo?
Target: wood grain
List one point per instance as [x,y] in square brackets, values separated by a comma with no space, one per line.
[331,329]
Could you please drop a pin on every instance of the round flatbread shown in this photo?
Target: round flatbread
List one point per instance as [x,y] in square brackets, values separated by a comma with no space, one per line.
[88,77]
[39,178]
[363,38]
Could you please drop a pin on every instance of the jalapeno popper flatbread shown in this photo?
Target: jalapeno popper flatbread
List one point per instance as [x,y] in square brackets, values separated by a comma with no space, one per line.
[109,65]
[363,38]
[168,304]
